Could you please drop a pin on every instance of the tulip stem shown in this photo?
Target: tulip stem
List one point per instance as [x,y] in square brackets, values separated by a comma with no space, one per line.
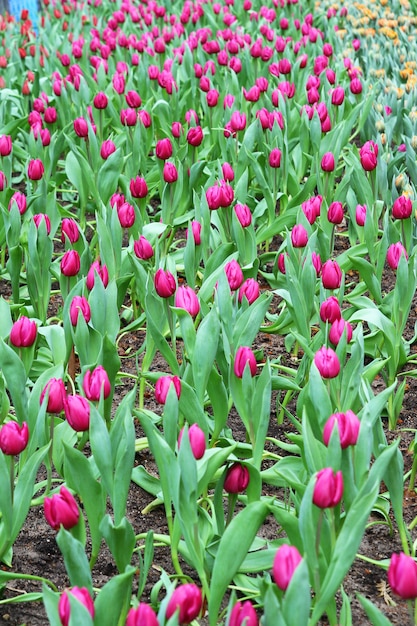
[412,480]
[232,498]
[49,466]
[11,478]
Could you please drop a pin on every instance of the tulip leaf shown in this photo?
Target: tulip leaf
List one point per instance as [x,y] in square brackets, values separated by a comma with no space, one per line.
[121,540]
[108,174]
[101,449]
[113,601]
[376,617]
[297,599]
[205,352]
[232,551]
[15,375]
[75,558]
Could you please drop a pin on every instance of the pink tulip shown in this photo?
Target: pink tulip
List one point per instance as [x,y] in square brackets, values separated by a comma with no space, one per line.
[299,236]
[70,230]
[23,333]
[337,329]
[331,274]
[195,136]
[40,218]
[347,424]
[250,290]
[243,614]
[142,615]
[126,215]
[163,149]
[237,478]
[143,249]
[170,172]
[13,438]
[5,145]
[79,304]
[327,362]
[55,390]
[286,561]
[394,254]
[402,576]
[163,385]
[360,214]
[61,509]
[70,263]
[95,383]
[275,158]
[338,96]
[243,214]
[328,490]
[197,440]
[234,274]
[107,148]
[327,162]
[97,270]
[330,310]
[100,100]
[81,127]
[187,600]
[138,187]
[244,356]
[402,208]
[186,298]
[165,284]
[196,230]
[64,606]
[77,412]
[335,213]
[368,155]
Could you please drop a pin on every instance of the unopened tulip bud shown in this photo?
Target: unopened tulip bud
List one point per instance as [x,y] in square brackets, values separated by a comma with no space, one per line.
[244,356]
[368,155]
[126,215]
[107,148]
[95,383]
[237,478]
[55,390]
[196,230]
[335,213]
[337,329]
[360,214]
[170,172]
[338,96]
[402,576]
[243,614]
[23,332]
[77,412]
[13,438]
[61,509]
[234,274]
[163,385]
[243,214]
[330,310]
[275,158]
[328,490]
[143,249]
[81,127]
[163,149]
[195,136]
[347,424]
[69,228]
[187,600]
[99,270]
[64,606]
[79,304]
[327,362]
[299,236]
[227,171]
[100,100]
[402,208]
[142,615]
[5,145]
[35,169]
[286,561]
[394,254]
[186,298]
[165,284]
[331,274]
[327,162]
[250,290]
[138,187]
[197,440]
[70,263]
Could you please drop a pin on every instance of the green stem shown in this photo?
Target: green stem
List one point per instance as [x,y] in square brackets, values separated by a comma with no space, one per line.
[411,483]
[49,467]
[12,478]
[232,498]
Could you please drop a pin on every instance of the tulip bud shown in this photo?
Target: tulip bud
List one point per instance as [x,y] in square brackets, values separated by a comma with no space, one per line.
[95,382]
[286,561]
[13,438]
[195,136]
[196,230]
[165,284]
[42,217]
[330,310]
[335,213]
[402,576]
[61,509]
[244,356]
[138,187]
[227,171]
[142,615]
[243,614]
[197,440]
[81,127]
[327,162]
[70,263]
[143,249]
[79,304]
[234,274]
[107,148]
[356,88]
[56,395]
[99,270]
[128,117]
[126,215]
[170,172]
[360,214]
[331,274]
[237,478]
[327,362]
[337,329]
[243,214]
[69,228]
[163,385]
[328,490]
[275,158]
[187,600]
[249,289]
[368,155]
[402,208]
[5,145]
[133,99]
[394,254]
[23,332]
[316,262]
[163,149]
[100,100]
[64,606]
[299,236]
[35,169]
[186,298]
[347,424]
[77,412]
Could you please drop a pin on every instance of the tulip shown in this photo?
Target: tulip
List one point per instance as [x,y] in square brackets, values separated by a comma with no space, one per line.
[163,149]
[142,615]
[42,217]
[79,304]
[170,172]
[311,208]
[3,181]
[213,197]
[368,155]
[145,118]
[197,440]
[243,614]
[133,99]
[299,236]
[234,274]
[61,509]
[81,127]
[5,145]
[176,129]
[107,148]
[126,215]
[316,262]
[13,438]
[337,329]
[402,208]
[95,382]
[237,478]
[338,96]
[70,230]
[56,395]
[23,332]
[330,310]
[402,576]
[35,169]
[327,362]
[95,270]
[77,412]
[250,290]
[226,194]
[347,424]
[275,158]
[394,254]
[195,136]
[187,600]
[356,87]
[227,171]
[327,162]
[238,121]
[143,249]
[244,356]
[128,117]
[328,490]
[281,261]
[163,385]
[100,100]
[70,263]
[186,298]
[165,284]
[138,187]
[331,274]
[286,561]
[196,230]
[64,606]
[360,214]
[335,213]
[243,215]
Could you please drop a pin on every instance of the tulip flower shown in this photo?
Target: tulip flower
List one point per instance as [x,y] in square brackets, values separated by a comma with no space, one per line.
[250,290]
[281,262]
[237,478]
[327,162]
[275,158]
[286,561]
[356,87]
[299,236]
[368,155]
[13,438]
[64,606]
[234,274]
[69,229]
[243,214]
[133,99]
[327,362]
[197,440]
[23,333]
[99,270]
[79,304]
[165,284]
[186,298]
[338,96]
[138,187]
[142,615]
[360,214]
[402,576]
[5,145]
[42,217]
[316,262]
[55,389]
[163,385]
[394,254]
[70,263]
[328,490]
[238,121]
[61,509]
[35,169]
[100,100]
[331,274]
[330,310]
[196,230]
[402,208]
[227,171]
[243,614]
[195,136]
[95,382]
[347,424]
[337,329]
[170,172]
[163,149]
[335,213]
[128,117]
[187,600]
[107,148]
[244,356]
[81,127]
[143,249]
[126,215]
[77,412]
[311,208]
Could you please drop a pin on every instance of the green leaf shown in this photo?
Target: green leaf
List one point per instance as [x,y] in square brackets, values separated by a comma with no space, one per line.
[108,175]
[75,558]
[15,376]
[113,601]
[120,539]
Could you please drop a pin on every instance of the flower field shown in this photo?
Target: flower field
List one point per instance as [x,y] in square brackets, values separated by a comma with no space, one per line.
[208,272]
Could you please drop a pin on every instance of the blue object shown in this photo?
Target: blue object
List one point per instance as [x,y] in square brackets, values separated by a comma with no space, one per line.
[17,6]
